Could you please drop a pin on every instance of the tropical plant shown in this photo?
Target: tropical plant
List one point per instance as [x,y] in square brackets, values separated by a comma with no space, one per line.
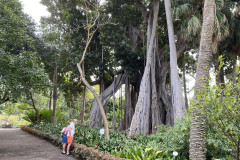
[197,149]
[45,116]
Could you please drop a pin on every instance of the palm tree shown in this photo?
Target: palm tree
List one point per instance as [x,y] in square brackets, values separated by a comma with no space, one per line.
[197,147]
[188,15]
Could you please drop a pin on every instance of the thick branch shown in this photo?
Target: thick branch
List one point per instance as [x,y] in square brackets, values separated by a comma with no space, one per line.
[143,10]
[98,101]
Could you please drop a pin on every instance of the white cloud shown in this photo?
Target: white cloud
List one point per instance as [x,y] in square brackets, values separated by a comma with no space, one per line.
[34,9]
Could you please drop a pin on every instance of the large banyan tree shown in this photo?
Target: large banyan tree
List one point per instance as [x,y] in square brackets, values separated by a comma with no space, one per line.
[140,45]
[154,103]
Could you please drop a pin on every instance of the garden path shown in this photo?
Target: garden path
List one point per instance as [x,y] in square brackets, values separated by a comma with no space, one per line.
[16,144]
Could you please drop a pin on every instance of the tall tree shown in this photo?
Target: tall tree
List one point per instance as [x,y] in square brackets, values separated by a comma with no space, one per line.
[55,58]
[176,87]
[92,24]
[21,72]
[141,124]
[197,147]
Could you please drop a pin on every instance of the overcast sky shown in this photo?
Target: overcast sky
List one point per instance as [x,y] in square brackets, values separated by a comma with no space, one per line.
[34,9]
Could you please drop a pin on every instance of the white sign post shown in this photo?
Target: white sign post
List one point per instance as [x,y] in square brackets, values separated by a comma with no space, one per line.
[101,131]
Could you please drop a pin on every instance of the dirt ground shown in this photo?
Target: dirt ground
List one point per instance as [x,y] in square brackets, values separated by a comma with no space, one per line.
[16,144]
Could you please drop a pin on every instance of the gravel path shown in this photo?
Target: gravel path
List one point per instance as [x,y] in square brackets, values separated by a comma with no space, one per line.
[16,144]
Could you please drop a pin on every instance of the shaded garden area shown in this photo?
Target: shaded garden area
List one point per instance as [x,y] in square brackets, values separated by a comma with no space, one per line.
[161,77]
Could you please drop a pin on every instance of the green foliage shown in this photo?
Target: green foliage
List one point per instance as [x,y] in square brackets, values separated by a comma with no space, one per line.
[220,105]
[45,116]
[30,116]
[157,146]
[11,108]
[53,129]
[16,120]
[20,70]
[13,31]
[194,25]
[221,108]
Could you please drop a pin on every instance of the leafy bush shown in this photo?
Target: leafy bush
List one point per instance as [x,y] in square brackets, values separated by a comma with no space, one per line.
[137,147]
[157,146]
[220,106]
[45,116]
[30,116]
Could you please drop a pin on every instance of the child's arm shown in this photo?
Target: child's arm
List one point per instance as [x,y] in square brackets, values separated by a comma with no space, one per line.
[70,131]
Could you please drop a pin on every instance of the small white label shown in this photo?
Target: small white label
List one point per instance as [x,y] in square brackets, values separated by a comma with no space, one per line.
[101,131]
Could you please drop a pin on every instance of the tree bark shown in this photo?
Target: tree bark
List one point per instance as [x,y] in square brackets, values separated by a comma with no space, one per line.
[4,99]
[50,100]
[141,120]
[106,130]
[121,112]
[184,82]
[133,99]
[54,94]
[128,107]
[35,108]
[95,118]
[155,110]
[176,87]
[83,104]
[154,105]
[197,148]
[114,118]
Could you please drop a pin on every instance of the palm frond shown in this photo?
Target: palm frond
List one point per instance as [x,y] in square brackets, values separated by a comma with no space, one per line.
[219,4]
[221,26]
[182,9]
[194,25]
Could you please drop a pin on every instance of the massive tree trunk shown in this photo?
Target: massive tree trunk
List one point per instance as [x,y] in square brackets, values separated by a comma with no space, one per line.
[166,108]
[197,148]
[154,105]
[54,95]
[96,118]
[141,118]
[176,87]
[155,110]
[83,104]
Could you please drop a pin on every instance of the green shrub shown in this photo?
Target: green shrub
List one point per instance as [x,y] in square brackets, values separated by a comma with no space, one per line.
[157,146]
[119,144]
[45,116]
[220,106]
[30,116]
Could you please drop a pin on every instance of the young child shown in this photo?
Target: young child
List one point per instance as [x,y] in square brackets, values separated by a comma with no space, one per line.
[64,139]
[70,134]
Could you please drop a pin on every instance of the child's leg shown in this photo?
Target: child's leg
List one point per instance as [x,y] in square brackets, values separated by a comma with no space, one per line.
[64,147]
[69,140]
[68,147]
